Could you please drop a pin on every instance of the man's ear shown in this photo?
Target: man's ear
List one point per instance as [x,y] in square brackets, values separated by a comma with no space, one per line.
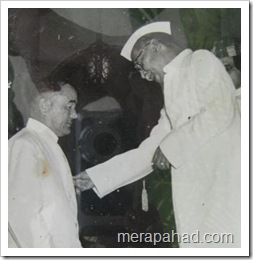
[45,105]
[155,45]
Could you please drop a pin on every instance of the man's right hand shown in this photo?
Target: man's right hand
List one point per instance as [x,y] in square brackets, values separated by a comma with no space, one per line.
[82,182]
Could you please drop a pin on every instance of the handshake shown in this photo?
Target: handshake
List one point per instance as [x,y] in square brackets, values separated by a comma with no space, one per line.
[82,182]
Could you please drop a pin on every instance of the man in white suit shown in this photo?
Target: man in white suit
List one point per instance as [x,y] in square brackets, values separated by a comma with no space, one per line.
[197,136]
[42,201]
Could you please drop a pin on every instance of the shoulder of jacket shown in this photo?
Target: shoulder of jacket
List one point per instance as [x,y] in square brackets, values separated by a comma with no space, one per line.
[24,138]
[202,54]
[203,60]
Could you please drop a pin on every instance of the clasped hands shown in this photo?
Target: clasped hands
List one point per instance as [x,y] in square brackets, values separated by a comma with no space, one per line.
[82,181]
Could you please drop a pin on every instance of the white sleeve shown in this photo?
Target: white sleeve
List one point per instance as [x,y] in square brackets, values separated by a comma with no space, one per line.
[131,166]
[26,216]
[216,97]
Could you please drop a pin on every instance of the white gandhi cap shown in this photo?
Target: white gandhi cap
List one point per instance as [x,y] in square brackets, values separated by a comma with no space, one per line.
[163,27]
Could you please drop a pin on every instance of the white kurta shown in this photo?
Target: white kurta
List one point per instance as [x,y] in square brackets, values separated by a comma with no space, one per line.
[199,133]
[42,201]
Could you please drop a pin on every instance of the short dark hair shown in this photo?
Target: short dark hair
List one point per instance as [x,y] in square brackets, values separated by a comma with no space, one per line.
[46,85]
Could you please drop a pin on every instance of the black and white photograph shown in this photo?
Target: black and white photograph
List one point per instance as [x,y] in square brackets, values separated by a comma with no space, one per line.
[125,128]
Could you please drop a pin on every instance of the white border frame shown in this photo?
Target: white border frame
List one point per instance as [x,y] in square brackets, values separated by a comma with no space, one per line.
[244,250]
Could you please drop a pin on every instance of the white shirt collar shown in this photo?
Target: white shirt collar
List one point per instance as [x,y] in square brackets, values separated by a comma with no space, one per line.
[38,127]
[177,61]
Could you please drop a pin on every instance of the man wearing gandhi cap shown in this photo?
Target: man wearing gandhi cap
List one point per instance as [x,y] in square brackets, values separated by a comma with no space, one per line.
[197,137]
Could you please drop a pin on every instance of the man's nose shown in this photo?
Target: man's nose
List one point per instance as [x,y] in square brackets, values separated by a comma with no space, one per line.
[149,77]
[73,114]
[146,75]
[143,74]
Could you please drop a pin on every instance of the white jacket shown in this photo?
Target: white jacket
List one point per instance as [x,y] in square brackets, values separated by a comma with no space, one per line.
[42,201]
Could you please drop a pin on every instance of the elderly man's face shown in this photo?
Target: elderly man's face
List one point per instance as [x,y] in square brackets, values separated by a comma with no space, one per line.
[62,111]
[146,62]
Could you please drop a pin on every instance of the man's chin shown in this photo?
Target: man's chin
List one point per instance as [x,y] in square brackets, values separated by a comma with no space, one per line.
[158,80]
[66,131]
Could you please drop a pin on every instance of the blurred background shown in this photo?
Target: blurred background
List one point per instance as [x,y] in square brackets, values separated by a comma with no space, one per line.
[116,108]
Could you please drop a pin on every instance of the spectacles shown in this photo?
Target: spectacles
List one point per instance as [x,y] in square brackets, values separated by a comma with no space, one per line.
[137,63]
